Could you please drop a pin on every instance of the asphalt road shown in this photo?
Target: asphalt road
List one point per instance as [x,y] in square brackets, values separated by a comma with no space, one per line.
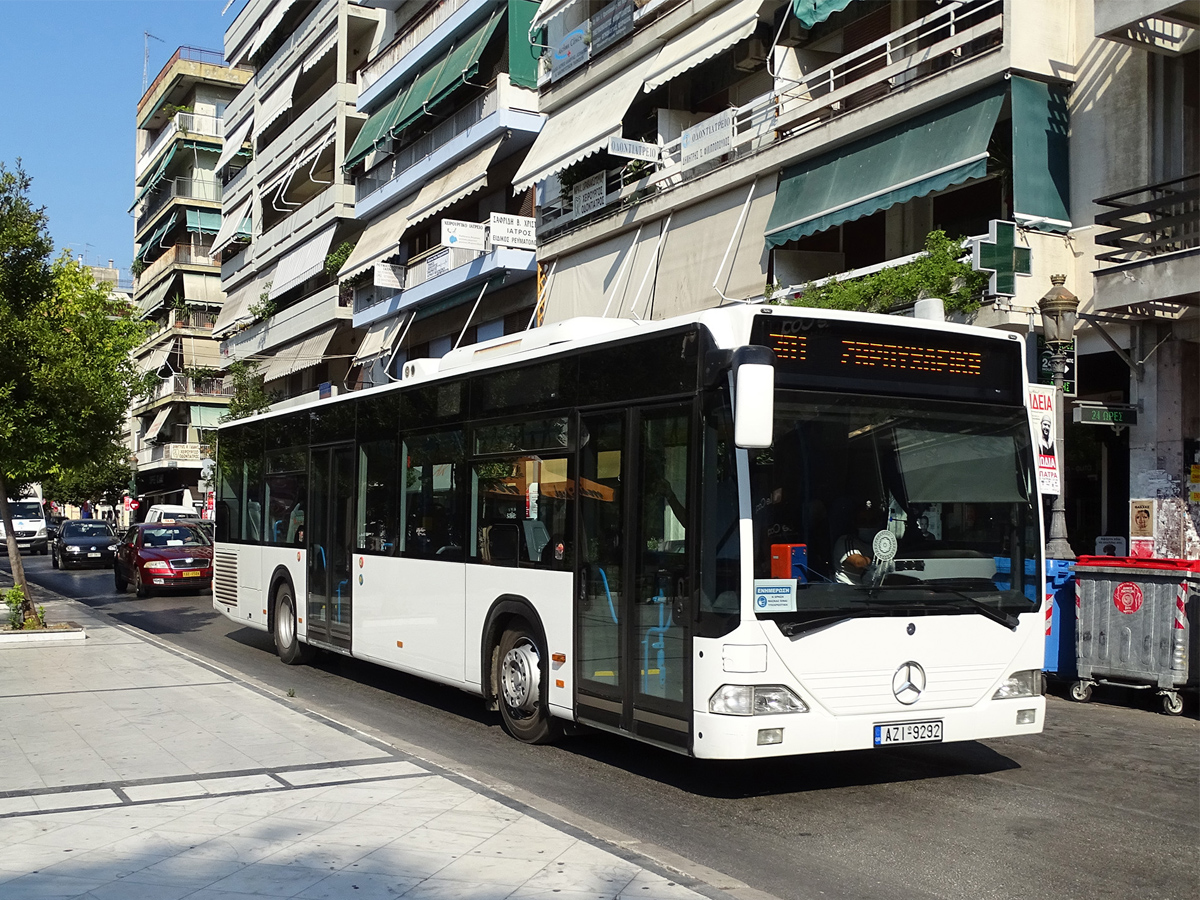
[1104,804]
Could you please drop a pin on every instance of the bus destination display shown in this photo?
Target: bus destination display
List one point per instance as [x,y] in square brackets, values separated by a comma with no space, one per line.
[841,355]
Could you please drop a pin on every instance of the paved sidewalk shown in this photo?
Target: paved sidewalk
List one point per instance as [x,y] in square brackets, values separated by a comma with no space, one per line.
[130,771]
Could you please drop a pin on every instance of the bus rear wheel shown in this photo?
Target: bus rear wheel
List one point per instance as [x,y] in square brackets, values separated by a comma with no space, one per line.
[520,679]
[287,643]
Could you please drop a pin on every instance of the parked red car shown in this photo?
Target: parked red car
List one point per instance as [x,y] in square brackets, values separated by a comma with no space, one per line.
[161,556]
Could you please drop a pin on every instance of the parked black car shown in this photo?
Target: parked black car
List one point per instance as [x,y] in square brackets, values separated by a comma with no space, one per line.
[81,542]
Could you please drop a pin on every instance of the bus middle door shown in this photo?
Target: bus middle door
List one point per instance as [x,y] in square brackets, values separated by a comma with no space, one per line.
[331,532]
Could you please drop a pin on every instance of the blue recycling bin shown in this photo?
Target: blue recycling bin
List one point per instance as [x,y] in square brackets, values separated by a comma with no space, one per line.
[1060,617]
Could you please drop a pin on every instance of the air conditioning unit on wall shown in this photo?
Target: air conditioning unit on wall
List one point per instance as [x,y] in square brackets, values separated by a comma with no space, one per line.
[750,55]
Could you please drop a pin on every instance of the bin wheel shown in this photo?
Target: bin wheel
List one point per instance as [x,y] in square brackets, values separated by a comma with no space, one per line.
[1081,691]
[1172,704]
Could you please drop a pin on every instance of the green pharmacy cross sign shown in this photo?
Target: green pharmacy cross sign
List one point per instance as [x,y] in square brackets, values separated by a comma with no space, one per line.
[999,254]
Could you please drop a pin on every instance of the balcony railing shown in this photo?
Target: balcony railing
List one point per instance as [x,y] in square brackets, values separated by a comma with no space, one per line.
[919,50]
[184,124]
[414,32]
[435,261]
[1150,221]
[183,387]
[395,167]
[179,254]
[184,189]
[162,452]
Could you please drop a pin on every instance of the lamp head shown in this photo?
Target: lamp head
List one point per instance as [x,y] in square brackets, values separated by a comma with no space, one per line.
[1058,308]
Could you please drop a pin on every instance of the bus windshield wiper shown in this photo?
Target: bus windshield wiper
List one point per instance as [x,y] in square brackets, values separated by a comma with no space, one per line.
[1008,620]
[791,629]
[949,594]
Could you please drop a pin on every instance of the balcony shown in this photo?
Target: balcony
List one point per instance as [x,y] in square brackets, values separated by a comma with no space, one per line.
[503,107]
[324,306]
[918,51]
[183,388]
[1153,265]
[178,254]
[178,188]
[318,208]
[417,30]
[166,454]
[183,125]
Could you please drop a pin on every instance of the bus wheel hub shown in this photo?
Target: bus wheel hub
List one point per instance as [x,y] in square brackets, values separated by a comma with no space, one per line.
[519,678]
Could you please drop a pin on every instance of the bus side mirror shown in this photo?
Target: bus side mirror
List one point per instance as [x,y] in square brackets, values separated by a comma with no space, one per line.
[753,397]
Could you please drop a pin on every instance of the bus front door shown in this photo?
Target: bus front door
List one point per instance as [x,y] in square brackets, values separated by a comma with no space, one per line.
[330,545]
[634,583]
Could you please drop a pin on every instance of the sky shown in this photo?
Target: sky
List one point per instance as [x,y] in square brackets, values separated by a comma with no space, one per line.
[70,81]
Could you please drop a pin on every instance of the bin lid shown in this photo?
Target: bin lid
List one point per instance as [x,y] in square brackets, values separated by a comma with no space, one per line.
[1137,563]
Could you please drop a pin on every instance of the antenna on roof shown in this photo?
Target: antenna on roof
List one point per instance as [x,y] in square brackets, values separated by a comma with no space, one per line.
[146,56]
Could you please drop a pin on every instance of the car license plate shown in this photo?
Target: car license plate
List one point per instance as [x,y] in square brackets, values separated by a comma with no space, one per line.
[93,556]
[191,574]
[908,733]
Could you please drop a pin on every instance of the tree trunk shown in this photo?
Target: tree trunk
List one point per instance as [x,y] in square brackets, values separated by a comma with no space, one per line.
[14,555]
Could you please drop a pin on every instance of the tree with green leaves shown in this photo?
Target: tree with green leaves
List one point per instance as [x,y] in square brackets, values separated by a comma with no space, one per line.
[249,396]
[66,375]
[103,478]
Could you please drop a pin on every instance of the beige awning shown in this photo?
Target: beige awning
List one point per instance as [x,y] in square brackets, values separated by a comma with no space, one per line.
[201,353]
[236,308]
[230,227]
[202,288]
[298,355]
[378,340]
[278,101]
[151,301]
[318,53]
[234,141]
[583,127]
[156,426]
[549,10]
[302,262]
[716,34]
[157,357]
[272,20]
[378,242]
[468,176]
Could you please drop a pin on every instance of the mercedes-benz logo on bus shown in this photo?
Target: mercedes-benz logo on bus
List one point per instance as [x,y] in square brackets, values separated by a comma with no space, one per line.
[908,682]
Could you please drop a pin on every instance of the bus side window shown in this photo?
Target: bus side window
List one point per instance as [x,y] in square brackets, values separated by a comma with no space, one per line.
[521,511]
[433,498]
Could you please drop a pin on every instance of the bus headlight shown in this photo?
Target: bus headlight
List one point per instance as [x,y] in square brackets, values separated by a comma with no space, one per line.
[754,700]
[1026,683]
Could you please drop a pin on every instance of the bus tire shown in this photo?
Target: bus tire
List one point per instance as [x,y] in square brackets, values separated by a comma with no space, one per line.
[519,670]
[287,644]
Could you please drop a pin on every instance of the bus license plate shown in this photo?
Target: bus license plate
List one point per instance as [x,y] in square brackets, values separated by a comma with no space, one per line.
[196,574]
[908,733]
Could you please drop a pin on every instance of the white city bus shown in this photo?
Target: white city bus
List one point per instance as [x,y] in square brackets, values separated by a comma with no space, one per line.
[749,532]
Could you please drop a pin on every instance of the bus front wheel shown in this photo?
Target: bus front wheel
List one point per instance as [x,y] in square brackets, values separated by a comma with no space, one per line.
[520,680]
[287,643]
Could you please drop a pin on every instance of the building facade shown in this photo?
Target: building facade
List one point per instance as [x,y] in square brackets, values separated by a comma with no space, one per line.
[177,212]
[447,254]
[288,205]
[700,153]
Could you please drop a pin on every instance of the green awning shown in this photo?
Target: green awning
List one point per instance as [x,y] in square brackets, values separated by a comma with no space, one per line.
[813,12]
[154,179]
[466,295]
[153,241]
[206,416]
[436,82]
[203,221]
[1041,177]
[929,153]
[462,63]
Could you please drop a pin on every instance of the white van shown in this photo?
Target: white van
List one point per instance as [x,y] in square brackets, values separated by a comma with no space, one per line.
[161,511]
[29,525]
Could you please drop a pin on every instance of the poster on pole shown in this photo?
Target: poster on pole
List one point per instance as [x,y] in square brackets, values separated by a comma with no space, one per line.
[1043,420]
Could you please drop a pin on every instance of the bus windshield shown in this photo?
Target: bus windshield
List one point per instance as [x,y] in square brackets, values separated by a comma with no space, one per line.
[881,507]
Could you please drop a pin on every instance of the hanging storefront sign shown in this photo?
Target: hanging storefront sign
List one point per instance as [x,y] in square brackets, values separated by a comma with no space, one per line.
[571,52]
[389,276]
[589,195]
[707,140]
[1043,420]
[512,231]
[619,146]
[611,24]
[465,235]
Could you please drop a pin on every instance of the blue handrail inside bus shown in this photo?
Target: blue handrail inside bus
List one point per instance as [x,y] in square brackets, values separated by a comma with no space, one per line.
[608,594]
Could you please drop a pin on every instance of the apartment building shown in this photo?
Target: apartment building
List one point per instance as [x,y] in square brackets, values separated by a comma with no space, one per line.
[177,212]
[1136,165]
[701,152]
[288,205]
[447,255]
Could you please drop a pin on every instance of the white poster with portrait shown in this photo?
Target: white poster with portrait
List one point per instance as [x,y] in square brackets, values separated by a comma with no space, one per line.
[1042,419]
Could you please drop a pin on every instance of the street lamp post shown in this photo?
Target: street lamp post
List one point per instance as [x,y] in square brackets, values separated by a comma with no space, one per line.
[1058,308]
